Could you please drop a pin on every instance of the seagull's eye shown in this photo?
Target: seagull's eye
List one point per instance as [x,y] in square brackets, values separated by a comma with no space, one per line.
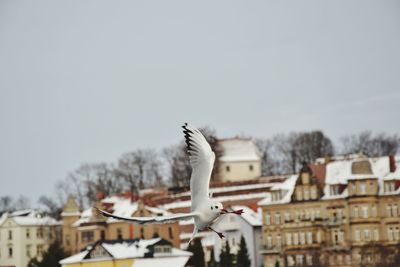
[216,207]
[211,207]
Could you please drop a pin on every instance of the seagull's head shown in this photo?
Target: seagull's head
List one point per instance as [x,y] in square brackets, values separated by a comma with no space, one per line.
[216,207]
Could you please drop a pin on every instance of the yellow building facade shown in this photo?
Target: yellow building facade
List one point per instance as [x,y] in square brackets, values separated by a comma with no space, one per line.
[335,221]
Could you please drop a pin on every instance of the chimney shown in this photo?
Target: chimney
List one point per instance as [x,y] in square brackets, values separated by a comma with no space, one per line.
[392,163]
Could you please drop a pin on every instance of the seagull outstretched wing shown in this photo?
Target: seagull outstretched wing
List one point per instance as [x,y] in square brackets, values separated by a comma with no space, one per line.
[202,161]
[151,220]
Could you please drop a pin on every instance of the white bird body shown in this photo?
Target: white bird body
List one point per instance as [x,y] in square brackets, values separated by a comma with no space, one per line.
[204,210]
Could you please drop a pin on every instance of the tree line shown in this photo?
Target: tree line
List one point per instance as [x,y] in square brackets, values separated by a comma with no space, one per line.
[149,168]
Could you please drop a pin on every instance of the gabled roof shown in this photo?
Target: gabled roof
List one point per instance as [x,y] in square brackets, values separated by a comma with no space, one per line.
[29,218]
[124,249]
[238,149]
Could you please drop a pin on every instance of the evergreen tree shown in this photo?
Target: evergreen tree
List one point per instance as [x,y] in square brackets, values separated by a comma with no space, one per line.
[243,259]
[212,262]
[51,257]
[197,260]
[226,257]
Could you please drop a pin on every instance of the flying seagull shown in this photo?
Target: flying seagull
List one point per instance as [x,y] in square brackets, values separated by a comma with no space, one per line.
[204,210]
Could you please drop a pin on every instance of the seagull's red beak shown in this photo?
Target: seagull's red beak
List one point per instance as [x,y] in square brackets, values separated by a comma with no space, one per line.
[223,211]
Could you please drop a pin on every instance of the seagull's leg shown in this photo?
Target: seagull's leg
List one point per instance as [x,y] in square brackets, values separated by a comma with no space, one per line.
[221,235]
[195,231]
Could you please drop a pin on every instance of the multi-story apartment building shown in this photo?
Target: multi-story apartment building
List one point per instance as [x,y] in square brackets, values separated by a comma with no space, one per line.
[25,235]
[81,229]
[331,219]
[240,160]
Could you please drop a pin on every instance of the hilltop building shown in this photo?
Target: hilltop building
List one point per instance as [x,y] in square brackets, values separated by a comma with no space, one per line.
[25,235]
[240,160]
[331,212]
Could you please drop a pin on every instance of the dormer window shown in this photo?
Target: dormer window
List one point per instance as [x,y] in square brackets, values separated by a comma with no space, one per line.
[276,195]
[334,190]
[162,249]
[389,186]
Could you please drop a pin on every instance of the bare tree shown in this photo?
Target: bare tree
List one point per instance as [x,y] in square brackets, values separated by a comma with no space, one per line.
[139,168]
[285,153]
[22,203]
[371,145]
[6,204]
[52,208]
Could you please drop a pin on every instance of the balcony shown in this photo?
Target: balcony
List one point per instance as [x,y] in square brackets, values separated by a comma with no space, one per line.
[265,249]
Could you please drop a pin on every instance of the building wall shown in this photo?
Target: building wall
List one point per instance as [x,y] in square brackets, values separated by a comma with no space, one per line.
[21,243]
[340,225]
[239,170]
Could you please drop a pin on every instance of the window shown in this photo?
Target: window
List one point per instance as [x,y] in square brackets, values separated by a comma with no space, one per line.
[287,216]
[269,241]
[162,249]
[367,235]
[277,218]
[299,259]
[363,188]
[39,250]
[319,238]
[302,238]
[357,236]
[355,211]
[390,234]
[10,252]
[279,240]
[309,237]
[313,192]
[290,261]
[334,190]
[267,219]
[394,210]
[102,235]
[9,234]
[28,251]
[306,194]
[28,234]
[288,239]
[309,260]
[376,235]
[141,232]
[228,168]
[39,232]
[390,186]
[119,233]
[295,238]
[299,194]
[396,233]
[251,168]
[87,236]
[389,210]
[364,211]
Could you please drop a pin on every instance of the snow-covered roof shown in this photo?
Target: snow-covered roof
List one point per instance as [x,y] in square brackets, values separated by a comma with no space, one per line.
[126,249]
[238,149]
[75,258]
[286,188]
[29,217]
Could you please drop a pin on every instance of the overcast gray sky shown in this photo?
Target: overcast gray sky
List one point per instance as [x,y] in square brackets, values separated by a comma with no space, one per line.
[85,81]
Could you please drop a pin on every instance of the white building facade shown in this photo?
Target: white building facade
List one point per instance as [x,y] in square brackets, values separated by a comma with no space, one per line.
[25,235]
